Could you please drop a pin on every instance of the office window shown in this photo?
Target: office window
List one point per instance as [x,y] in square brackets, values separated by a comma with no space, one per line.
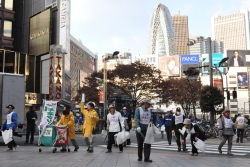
[9,4]
[7,28]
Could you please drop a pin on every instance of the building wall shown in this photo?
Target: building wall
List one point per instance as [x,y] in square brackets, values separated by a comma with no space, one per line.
[181,33]
[233,30]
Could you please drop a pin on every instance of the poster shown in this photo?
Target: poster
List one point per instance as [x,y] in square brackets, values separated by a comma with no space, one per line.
[169,65]
[242,80]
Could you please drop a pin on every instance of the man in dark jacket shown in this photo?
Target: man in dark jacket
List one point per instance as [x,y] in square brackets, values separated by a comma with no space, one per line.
[236,60]
[31,125]
[168,126]
[195,134]
[126,115]
[177,123]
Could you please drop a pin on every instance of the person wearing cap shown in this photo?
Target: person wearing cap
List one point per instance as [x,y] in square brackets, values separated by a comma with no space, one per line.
[127,116]
[177,123]
[10,123]
[195,134]
[160,123]
[31,125]
[115,124]
[142,118]
[240,124]
[89,126]
[67,119]
[168,126]
[226,128]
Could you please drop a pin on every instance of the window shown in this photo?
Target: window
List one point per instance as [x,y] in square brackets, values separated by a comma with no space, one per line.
[9,4]
[7,28]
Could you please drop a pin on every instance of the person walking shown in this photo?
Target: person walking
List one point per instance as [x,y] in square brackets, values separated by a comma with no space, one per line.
[67,119]
[195,134]
[127,117]
[114,126]
[226,126]
[168,126]
[11,123]
[89,126]
[240,124]
[31,125]
[142,118]
[177,123]
[160,123]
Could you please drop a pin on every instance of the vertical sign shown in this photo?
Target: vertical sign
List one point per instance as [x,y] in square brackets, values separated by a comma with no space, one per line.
[55,73]
[101,97]
[219,84]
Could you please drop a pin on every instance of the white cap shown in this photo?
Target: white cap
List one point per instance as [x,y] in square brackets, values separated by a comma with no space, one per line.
[111,106]
[124,108]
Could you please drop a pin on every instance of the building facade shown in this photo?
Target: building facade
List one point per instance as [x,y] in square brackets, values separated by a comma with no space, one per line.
[161,37]
[181,33]
[233,30]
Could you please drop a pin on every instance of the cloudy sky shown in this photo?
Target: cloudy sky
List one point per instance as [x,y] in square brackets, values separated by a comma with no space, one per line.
[105,26]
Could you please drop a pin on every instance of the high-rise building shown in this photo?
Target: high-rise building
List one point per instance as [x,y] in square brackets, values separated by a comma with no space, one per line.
[233,30]
[201,46]
[161,39]
[181,33]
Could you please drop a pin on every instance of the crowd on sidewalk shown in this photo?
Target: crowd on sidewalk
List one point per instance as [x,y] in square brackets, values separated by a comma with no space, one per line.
[172,123]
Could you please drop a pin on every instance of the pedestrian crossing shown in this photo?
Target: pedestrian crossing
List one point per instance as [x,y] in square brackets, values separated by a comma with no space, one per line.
[210,149]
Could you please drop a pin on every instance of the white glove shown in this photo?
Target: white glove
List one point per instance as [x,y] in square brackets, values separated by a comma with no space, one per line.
[138,130]
[34,118]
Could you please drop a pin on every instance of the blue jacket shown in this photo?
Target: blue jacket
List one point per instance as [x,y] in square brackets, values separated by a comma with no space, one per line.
[160,122]
[128,116]
[168,120]
[14,119]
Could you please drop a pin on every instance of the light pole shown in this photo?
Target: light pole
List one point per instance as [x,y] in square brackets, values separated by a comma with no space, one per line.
[106,58]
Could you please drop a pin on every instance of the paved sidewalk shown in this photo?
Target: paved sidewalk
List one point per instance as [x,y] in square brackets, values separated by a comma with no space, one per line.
[30,157]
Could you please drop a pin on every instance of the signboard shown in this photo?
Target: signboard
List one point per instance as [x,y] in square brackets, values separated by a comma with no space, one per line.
[39,40]
[219,84]
[238,58]
[49,3]
[242,80]
[188,61]
[216,58]
[32,98]
[55,72]
[101,96]
[205,61]
[169,65]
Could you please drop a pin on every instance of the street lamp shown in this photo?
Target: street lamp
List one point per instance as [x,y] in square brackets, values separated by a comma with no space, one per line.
[106,58]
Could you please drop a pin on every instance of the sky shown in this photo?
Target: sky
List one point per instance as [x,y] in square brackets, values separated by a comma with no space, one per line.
[105,26]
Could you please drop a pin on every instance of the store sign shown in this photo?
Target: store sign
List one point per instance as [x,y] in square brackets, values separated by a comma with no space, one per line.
[32,98]
[189,59]
[55,72]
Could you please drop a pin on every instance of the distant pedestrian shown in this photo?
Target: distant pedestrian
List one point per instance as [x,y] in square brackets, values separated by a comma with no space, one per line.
[226,126]
[142,118]
[177,123]
[31,125]
[10,123]
[127,116]
[114,126]
[240,124]
[160,123]
[168,126]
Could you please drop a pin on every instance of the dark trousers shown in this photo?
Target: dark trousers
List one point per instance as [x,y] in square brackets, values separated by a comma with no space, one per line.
[194,149]
[12,143]
[240,133]
[178,137]
[169,134]
[111,141]
[147,147]
[30,131]
[129,128]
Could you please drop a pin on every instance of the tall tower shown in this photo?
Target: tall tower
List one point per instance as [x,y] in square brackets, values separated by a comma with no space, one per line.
[181,33]
[161,39]
[233,30]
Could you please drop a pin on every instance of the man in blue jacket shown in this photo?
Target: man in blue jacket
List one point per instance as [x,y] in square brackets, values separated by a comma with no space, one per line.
[31,125]
[10,123]
[160,123]
[126,115]
[142,119]
[168,126]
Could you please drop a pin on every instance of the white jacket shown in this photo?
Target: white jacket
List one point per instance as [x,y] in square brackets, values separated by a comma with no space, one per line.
[113,122]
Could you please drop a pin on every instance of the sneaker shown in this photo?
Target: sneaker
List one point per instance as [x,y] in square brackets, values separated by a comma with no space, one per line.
[120,151]
[195,154]
[76,149]
[63,150]
[220,151]
[190,153]
[229,153]
[15,148]
[108,151]
[184,150]
[8,149]
[179,149]
[91,151]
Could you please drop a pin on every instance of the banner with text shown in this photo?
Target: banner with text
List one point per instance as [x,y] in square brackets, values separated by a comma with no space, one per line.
[188,61]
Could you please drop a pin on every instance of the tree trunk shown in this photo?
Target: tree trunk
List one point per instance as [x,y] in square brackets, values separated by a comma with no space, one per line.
[212,115]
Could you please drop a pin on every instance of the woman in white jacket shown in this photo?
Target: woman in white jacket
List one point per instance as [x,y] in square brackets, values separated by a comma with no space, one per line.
[114,125]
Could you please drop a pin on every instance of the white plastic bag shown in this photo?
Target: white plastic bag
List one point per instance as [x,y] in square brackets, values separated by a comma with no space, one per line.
[234,137]
[200,145]
[127,135]
[163,128]
[149,138]
[155,129]
[104,133]
[120,137]
[7,136]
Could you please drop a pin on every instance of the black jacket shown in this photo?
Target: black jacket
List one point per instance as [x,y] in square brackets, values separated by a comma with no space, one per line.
[240,61]
[198,133]
[30,115]
[178,126]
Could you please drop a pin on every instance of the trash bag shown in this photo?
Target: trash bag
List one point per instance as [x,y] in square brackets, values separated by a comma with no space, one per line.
[104,133]
[127,135]
[155,129]
[200,145]
[163,128]
[7,136]
[234,137]
[120,137]
[149,138]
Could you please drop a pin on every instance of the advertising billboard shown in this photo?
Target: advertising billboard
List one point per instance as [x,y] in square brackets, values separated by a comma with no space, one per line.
[216,58]
[39,41]
[189,61]
[169,65]
[242,80]
[238,58]
[219,84]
